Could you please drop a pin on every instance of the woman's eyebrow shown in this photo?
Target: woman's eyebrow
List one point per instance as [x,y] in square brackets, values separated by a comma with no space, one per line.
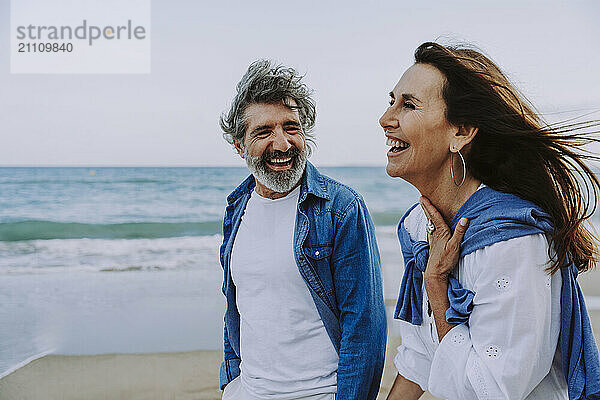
[406,96]
[410,96]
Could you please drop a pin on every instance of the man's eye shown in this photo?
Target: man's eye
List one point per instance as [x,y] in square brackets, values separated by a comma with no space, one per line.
[292,129]
[391,102]
[408,105]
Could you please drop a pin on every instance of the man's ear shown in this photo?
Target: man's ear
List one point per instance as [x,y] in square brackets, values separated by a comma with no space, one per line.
[464,136]
[239,148]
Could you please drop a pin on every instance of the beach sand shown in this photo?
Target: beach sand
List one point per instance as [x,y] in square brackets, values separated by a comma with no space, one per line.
[189,375]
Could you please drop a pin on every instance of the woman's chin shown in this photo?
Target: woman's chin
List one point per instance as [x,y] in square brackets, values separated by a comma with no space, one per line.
[391,171]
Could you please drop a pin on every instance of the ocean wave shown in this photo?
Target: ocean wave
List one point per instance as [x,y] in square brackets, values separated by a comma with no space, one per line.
[387,218]
[44,230]
[14,231]
[64,256]
[134,268]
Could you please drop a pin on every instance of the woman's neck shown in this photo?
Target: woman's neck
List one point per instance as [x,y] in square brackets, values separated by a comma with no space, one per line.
[447,197]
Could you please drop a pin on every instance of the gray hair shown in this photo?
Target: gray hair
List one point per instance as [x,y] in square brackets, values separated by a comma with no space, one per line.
[266,83]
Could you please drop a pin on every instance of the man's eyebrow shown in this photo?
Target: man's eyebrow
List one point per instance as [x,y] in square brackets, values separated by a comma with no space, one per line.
[261,128]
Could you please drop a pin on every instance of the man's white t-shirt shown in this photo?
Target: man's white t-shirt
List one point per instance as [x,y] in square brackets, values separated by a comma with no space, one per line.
[286,352]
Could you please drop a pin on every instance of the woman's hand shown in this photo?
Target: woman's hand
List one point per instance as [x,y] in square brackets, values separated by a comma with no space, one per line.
[444,252]
[403,389]
[444,247]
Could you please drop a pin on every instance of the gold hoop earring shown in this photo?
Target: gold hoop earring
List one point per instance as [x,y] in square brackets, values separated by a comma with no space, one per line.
[452,168]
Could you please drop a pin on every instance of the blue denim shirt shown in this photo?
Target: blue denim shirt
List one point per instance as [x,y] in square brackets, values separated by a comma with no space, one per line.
[337,256]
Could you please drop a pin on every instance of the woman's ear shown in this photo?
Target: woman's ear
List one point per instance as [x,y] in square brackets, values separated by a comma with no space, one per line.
[464,136]
[239,148]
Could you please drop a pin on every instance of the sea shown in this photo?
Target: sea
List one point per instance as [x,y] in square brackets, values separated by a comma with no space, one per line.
[125,260]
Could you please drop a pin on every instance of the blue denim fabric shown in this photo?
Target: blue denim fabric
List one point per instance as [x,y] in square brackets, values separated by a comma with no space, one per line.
[495,217]
[337,256]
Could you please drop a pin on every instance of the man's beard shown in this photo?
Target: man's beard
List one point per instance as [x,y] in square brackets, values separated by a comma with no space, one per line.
[277,181]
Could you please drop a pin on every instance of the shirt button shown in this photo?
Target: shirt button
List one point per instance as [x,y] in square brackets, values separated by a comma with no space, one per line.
[317,253]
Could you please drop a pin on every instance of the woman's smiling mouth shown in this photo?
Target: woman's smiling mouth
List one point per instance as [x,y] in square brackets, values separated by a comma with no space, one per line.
[397,145]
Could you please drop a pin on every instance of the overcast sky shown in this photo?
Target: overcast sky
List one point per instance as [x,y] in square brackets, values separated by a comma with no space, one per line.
[352,53]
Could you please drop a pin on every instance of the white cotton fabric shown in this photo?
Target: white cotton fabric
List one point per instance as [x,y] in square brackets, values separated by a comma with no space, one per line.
[286,351]
[235,391]
[508,349]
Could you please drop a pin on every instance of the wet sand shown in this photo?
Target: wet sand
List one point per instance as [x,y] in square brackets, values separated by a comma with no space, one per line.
[184,375]
[189,375]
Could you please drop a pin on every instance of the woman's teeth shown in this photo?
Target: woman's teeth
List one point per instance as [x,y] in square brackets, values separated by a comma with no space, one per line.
[397,145]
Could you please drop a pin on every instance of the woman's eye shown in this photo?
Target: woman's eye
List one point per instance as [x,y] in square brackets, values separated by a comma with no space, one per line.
[391,102]
[409,105]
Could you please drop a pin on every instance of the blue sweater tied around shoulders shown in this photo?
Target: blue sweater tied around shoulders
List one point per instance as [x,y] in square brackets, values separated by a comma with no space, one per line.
[494,217]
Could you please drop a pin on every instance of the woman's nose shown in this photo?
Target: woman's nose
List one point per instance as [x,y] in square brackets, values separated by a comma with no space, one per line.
[385,120]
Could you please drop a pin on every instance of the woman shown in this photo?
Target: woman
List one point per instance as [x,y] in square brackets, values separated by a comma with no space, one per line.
[489,304]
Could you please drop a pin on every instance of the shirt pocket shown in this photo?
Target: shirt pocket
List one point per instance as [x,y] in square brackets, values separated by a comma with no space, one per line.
[318,258]
[318,252]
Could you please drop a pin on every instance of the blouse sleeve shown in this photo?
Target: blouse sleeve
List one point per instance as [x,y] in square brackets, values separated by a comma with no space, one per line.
[508,345]
[413,360]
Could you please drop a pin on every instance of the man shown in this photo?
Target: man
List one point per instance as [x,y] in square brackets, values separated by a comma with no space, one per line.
[305,313]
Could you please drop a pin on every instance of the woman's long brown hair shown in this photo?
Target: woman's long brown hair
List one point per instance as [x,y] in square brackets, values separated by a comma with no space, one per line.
[516,152]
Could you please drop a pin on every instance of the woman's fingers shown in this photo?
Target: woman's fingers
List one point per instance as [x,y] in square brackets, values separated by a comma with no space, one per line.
[459,233]
[422,201]
[433,215]
[444,245]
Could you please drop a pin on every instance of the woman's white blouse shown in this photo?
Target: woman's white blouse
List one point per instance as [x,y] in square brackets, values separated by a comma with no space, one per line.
[508,349]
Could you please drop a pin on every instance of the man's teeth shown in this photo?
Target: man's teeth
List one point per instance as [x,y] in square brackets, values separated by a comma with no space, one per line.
[396,143]
[280,160]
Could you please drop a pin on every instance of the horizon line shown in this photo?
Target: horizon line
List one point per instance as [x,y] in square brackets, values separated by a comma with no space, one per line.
[167,166]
